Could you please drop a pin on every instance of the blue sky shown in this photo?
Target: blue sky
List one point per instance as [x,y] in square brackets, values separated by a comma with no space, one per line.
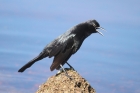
[26,26]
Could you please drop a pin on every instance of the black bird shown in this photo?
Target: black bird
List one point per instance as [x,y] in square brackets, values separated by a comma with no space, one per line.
[63,47]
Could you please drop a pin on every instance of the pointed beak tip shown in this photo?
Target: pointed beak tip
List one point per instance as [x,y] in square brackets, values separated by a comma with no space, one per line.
[101,34]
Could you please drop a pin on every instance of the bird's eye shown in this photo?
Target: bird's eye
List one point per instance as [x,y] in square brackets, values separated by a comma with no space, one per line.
[94,25]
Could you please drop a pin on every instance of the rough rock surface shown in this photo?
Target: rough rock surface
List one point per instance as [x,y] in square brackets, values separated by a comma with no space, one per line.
[62,84]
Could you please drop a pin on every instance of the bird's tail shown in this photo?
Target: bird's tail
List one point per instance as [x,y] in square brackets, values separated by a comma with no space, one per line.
[30,63]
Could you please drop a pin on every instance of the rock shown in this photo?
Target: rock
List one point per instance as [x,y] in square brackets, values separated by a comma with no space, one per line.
[62,84]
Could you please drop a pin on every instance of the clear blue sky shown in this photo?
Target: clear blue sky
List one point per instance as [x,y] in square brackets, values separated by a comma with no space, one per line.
[109,63]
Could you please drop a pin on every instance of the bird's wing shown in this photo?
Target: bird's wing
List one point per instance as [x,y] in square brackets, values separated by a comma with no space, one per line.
[61,44]
[61,58]
[62,50]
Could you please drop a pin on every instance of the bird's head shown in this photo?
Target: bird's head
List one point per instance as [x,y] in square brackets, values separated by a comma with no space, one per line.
[96,25]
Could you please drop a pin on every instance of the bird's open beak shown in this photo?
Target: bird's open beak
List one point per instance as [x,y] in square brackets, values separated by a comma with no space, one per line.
[99,31]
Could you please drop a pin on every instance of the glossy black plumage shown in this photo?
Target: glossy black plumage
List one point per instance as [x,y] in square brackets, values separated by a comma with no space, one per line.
[66,44]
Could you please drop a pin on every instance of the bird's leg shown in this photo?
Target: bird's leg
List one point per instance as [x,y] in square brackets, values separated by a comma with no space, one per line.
[70,65]
[65,72]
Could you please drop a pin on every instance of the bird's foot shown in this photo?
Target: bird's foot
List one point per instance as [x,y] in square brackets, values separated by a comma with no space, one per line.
[65,71]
